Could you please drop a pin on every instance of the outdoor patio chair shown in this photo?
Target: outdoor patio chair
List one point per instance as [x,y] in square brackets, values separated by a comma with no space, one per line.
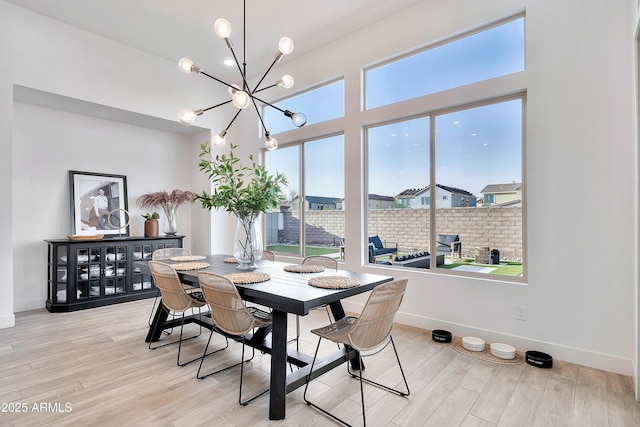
[378,248]
[176,299]
[370,332]
[449,244]
[230,315]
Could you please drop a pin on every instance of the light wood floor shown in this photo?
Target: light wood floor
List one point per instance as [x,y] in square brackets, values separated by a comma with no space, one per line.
[93,367]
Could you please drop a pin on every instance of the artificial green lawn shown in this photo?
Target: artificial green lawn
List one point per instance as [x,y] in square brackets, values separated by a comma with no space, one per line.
[508,268]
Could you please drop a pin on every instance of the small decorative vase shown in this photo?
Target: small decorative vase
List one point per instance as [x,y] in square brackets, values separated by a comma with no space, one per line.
[170,223]
[151,228]
[247,243]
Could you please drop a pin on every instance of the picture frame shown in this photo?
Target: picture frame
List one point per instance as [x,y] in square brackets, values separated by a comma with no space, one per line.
[99,204]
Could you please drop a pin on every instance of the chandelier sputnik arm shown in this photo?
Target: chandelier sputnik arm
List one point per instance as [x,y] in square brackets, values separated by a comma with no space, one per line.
[242,97]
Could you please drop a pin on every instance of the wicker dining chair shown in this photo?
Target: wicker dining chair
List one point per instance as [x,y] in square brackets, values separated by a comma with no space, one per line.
[268,255]
[326,262]
[230,315]
[367,332]
[164,254]
[176,299]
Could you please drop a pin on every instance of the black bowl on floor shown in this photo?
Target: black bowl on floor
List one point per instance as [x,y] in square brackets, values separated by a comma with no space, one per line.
[440,335]
[538,359]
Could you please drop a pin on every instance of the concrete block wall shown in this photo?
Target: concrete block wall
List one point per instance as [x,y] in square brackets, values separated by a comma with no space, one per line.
[494,227]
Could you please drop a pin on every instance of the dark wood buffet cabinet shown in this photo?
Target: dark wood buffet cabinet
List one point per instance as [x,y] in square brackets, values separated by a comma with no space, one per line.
[92,273]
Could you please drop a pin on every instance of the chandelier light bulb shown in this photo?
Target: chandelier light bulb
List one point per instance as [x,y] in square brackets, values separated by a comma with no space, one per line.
[286,82]
[184,65]
[285,45]
[241,99]
[299,119]
[270,143]
[222,27]
[187,117]
[218,140]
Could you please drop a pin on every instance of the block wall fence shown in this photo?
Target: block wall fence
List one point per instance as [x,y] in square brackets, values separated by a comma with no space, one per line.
[497,228]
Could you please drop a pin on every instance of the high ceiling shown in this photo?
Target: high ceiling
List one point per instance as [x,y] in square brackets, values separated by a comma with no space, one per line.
[173,29]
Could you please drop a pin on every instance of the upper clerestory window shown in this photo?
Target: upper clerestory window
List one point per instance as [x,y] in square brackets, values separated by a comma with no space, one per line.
[493,52]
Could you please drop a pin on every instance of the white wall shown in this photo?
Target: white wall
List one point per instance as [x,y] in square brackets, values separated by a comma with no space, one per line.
[580,139]
[581,270]
[151,160]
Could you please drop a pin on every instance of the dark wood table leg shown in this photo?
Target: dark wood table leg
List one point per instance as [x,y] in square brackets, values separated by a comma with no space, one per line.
[158,320]
[278,388]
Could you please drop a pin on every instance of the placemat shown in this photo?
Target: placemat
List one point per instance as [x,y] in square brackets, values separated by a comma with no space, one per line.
[188,258]
[486,354]
[248,278]
[230,260]
[299,268]
[190,266]
[334,282]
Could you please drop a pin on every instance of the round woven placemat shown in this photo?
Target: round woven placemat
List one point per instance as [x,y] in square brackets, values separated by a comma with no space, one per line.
[299,268]
[248,278]
[230,260]
[183,266]
[334,282]
[188,258]
[486,354]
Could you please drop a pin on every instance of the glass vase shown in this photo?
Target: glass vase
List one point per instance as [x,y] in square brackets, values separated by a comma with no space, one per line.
[247,243]
[170,223]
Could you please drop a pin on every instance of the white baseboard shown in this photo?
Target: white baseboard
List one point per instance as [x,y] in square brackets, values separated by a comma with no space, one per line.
[31,304]
[7,321]
[578,356]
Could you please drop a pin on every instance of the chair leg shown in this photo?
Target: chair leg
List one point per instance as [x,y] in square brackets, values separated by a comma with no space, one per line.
[382,386]
[297,338]
[153,309]
[240,401]
[225,368]
[361,379]
[205,354]
[179,341]
[306,386]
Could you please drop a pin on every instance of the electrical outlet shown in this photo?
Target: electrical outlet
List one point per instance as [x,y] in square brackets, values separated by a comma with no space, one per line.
[521,312]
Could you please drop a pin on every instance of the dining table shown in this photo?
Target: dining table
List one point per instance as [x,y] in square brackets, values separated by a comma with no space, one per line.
[284,292]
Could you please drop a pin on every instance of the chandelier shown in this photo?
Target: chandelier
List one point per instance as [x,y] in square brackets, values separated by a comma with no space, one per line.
[242,97]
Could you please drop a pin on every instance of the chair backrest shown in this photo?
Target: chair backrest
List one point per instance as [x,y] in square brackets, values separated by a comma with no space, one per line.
[168,253]
[322,260]
[377,243]
[375,323]
[447,239]
[228,310]
[268,255]
[174,297]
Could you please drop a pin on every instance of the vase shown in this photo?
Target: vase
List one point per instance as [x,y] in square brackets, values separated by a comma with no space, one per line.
[247,243]
[170,223]
[151,228]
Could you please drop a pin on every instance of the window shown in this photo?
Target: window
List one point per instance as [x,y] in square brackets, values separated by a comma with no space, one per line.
[313,104]
[313,216]
[487,198]
[494,52]
[478,148]
[475,148]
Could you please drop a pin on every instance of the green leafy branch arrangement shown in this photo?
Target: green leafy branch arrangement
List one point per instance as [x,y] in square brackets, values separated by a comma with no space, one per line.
[245,191]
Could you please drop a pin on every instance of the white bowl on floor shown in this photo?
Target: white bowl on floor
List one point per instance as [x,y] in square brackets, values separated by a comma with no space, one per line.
[473,343]
[503,351]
